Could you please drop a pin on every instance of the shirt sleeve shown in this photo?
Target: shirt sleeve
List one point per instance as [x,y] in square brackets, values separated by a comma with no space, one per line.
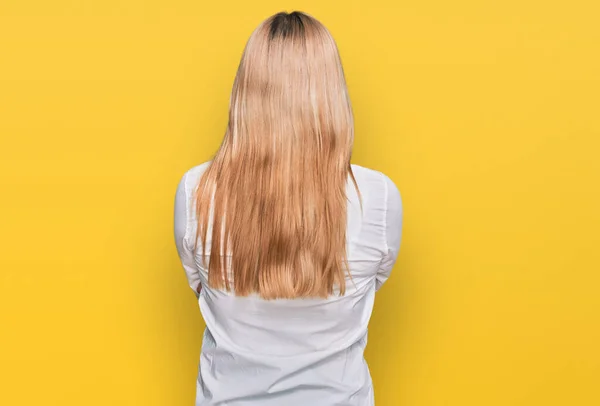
[393,231]
[186,254]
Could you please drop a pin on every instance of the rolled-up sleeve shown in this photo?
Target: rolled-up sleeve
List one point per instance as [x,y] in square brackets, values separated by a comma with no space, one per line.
[186,254]
[393,230]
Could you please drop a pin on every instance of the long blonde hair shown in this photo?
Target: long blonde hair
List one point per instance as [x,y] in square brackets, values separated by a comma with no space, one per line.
[275,191]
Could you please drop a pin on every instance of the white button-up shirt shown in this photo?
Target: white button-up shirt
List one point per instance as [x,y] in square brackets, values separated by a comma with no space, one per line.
[300,352]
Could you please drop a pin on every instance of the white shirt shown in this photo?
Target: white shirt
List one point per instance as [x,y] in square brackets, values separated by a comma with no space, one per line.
[301,352]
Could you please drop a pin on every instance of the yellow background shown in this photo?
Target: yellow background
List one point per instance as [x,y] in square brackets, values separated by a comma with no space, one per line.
[485,114]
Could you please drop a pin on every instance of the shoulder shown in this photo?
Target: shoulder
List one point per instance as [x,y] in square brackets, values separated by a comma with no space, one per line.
[190,178]
[374,182]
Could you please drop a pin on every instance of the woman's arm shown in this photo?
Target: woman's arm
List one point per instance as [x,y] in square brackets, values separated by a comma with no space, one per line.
[186,254]
[393,231]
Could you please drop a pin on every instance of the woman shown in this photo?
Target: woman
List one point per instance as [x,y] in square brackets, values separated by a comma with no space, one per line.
[282,239]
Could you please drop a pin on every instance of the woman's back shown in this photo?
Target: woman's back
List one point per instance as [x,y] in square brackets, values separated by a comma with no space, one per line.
[304,351]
